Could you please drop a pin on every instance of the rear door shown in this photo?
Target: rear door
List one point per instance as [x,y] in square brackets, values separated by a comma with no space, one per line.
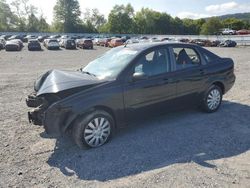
[189,68]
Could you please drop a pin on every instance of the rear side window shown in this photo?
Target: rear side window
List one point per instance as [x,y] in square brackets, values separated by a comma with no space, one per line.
[209,56]
[186,58]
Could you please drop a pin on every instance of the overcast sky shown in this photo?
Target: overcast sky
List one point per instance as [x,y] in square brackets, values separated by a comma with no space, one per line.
[184,9]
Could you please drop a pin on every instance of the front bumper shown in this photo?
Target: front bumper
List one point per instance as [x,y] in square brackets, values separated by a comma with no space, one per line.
[54,119]
[39,104]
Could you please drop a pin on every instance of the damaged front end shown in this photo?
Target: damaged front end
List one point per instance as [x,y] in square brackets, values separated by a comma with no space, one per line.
[40,105]
[49,90]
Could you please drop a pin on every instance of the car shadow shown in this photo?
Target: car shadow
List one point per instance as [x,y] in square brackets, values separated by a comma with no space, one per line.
[179,137]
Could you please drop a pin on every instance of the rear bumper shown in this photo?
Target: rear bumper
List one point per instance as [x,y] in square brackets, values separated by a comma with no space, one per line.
[34,48]
[229,83]
[53,47]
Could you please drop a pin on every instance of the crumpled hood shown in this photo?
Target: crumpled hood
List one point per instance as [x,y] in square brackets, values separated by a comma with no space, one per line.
[55,81]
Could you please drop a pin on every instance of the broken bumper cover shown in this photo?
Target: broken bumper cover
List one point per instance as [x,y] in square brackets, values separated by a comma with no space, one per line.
[51,120]
[56,120]
[54,117]
[33,101]
[33,117]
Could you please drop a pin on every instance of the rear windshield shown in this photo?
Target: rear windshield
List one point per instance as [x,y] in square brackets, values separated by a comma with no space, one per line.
[70,41]
[33,41]
[53,41]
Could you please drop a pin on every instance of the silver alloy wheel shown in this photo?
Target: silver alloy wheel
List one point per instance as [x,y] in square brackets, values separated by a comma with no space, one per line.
[97,132]
[213,99]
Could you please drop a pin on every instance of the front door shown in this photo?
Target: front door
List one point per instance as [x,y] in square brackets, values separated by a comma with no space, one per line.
[150,92]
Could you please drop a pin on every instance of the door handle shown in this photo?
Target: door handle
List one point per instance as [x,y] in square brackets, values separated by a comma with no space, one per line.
[166,81]
[202,72]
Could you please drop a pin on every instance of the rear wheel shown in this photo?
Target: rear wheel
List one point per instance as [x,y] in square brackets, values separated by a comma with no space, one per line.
[94,129]
[212,99]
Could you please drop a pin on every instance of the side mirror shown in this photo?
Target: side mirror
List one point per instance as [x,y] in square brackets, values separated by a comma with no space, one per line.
[139,76]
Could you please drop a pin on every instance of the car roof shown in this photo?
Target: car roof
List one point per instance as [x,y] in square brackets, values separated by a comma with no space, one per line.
[144,46]
[33,40]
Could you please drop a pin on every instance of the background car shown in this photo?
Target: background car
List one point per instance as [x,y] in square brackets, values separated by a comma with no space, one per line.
[51,44]
[42,38]
[1,46]
[243,32]
[104,42]
[34,44]
[29,37]
[227,31]
[85,44]
[68,44]
[228,43]
[96,41]
[115,42]
[20,37]
[14,45]
[2,43]
[132,41]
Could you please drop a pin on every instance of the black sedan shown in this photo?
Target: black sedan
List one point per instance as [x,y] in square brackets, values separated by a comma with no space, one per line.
[126,83]
[69,44]
[34,44]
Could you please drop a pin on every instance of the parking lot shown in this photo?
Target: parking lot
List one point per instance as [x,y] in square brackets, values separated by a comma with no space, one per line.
[180,149]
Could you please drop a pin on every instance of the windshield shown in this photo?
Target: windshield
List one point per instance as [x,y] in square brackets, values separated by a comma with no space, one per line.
[110,64]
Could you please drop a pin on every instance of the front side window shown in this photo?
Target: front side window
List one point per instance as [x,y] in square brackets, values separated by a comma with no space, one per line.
[153,63]
[186,58]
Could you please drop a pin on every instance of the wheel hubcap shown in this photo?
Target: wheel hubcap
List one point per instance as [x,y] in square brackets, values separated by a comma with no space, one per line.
[97,132]
[213,99]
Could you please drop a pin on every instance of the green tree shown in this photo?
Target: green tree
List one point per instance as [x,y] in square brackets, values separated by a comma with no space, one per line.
[94,19]
[67,15]
[43,25]
[120,19]
[233,23]
[212,26]
[177,26]
[24,13]
[148,21]
[7,18]
[33,23]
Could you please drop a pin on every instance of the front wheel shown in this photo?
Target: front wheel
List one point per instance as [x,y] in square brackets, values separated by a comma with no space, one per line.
[93,130]
[212,99]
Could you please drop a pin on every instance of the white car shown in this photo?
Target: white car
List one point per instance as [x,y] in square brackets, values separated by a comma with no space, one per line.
[52,44]
[132,41]
[228,31]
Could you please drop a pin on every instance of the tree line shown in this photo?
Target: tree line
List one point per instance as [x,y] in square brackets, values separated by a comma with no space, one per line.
[21,16]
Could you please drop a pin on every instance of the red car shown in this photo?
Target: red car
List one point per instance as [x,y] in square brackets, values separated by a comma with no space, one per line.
[85,44]
[115,42]
[243,32]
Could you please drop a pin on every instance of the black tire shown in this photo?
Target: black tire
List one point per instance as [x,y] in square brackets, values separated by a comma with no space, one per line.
[82,124]
[208,96]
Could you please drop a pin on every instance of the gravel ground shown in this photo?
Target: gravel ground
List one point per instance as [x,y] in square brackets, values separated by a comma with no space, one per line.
[181,149]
